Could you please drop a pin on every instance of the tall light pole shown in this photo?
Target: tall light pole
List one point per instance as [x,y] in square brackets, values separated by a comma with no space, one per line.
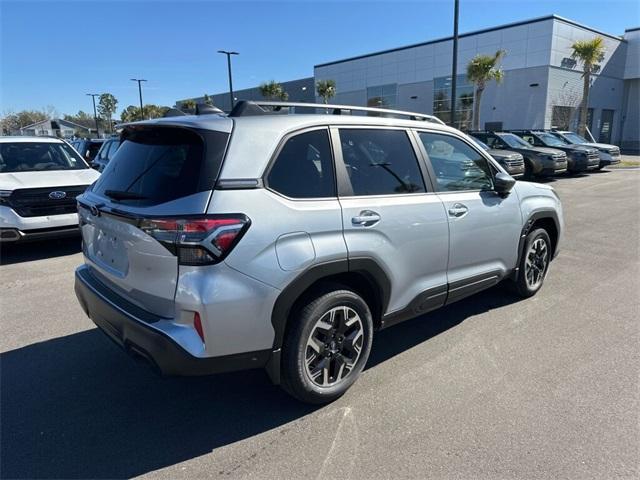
[454,70]
[140,80]
[228,54]
[95,114]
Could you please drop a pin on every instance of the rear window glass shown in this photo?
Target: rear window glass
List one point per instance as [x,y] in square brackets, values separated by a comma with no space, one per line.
[160,164]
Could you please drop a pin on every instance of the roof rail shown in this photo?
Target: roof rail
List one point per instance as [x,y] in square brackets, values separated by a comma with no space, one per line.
[247,108]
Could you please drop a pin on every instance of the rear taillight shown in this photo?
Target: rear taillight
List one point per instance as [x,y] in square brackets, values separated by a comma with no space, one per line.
[198,241]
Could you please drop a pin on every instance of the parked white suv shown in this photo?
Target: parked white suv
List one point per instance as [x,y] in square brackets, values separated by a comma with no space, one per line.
[216,243]
[40,178]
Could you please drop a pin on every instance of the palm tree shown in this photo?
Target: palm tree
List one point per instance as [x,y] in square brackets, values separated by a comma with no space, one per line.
[189,104]
[273,91]
[326,89]
[480,70]
[589,52]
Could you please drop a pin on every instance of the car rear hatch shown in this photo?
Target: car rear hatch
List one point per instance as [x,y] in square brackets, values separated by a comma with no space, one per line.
[153,194]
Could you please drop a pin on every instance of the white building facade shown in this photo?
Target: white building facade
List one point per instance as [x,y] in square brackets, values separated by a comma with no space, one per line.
[542,85]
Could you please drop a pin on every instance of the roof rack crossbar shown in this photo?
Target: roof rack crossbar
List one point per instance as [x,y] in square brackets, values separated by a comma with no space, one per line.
[337,110]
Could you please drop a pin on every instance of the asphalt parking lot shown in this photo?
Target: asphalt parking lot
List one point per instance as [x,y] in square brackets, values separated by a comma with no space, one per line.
[492,387]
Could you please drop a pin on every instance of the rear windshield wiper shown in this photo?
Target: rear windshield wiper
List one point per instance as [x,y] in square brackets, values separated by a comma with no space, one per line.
[122,195]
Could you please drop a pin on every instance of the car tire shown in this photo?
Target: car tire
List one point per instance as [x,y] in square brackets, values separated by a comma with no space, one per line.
[327,346]
[534,263]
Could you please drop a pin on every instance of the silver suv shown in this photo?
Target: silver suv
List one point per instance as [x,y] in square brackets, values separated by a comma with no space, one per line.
[261,239]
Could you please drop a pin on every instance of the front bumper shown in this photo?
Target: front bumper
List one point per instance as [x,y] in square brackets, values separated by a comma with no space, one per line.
[14,228]
[514,171]
[583,164]
[133,329]
[607,159]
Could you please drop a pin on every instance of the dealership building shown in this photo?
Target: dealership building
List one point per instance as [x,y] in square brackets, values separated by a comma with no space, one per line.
[541,88]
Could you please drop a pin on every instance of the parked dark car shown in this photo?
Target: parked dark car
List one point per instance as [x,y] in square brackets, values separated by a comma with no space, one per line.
[581,158]
[88,148]
[609,154]
[512,162]
[106,153]
[538,161]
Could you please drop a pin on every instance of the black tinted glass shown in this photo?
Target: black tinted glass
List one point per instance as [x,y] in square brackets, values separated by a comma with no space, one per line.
[304,167]
[380,162]
[158,165]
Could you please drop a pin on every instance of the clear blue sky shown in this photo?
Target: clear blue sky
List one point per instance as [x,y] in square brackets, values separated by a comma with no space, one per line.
[53,52]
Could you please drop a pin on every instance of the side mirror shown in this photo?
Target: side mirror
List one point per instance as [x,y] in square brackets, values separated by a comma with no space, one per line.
[503,183]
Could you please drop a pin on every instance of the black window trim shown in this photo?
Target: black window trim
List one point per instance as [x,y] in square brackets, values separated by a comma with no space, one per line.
[491,162]
[345,188]
[276,153]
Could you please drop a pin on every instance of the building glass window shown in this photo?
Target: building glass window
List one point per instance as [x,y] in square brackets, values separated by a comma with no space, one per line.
[383,96]
[464,101]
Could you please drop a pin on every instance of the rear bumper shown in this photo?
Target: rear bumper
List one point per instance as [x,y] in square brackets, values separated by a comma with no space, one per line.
[133,329]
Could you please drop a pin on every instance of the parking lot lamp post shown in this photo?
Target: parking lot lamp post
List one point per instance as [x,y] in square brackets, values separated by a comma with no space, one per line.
[95,113]
[454,70]
[228,54]
[140,80]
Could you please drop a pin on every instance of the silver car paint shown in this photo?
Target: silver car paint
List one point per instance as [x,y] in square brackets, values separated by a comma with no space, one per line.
[235,299]
[410,242]
[485,238]
[273,216]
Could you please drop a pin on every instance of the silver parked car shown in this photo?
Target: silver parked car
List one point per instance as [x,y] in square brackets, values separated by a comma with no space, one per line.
[216,243]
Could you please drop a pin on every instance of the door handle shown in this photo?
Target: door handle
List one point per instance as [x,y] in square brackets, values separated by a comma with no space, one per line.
[458,210]
[366,218]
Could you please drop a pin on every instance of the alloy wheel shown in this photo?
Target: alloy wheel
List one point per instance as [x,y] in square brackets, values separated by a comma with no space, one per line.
[536,262]
[334,346]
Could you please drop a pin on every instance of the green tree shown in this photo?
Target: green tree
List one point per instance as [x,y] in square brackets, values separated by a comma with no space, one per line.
[480,70]
[589,53]
[273,91]
[326,89]
[132,112]
[188,104]
[11,122]
[154,111]
[107,107]
[81,118]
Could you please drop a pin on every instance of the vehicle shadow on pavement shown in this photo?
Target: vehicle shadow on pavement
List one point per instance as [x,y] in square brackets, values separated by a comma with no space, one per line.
[78,407]
[399,338]
[27,252]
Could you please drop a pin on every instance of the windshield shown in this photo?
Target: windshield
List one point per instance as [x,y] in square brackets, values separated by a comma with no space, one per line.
[514,141]
[551,140]
[38,156]
[574,137]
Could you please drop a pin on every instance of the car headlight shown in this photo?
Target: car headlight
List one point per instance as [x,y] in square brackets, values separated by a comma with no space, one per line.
[4,194]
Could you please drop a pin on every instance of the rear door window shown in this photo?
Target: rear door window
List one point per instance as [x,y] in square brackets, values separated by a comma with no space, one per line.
[304,167]
[380,162]
[159,164]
